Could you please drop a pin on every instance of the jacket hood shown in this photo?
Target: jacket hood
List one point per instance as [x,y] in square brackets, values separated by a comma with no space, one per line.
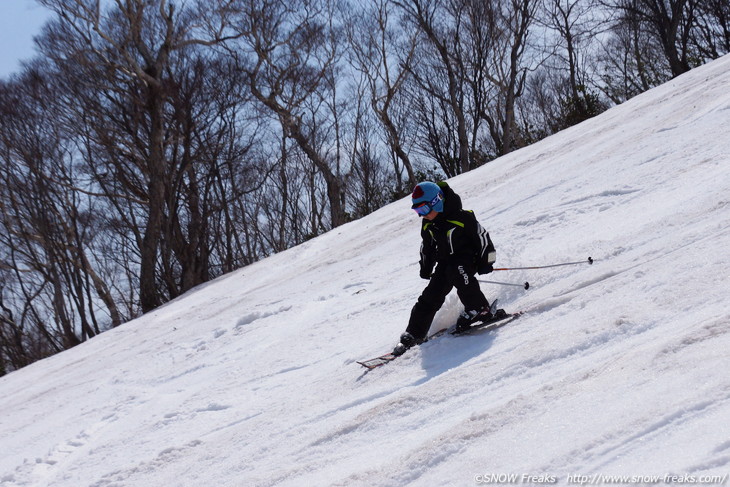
[452,201]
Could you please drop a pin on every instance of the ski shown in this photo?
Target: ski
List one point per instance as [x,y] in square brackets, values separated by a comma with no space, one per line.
[377,361]
[389,357]
[483,325]
[489,324]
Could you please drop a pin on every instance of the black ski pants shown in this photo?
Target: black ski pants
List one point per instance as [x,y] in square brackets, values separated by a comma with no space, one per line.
[443,280]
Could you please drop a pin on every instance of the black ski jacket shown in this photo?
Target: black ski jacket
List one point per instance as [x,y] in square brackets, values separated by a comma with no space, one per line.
[455,237]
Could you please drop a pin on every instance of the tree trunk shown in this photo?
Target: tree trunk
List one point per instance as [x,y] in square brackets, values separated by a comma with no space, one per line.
[149,295]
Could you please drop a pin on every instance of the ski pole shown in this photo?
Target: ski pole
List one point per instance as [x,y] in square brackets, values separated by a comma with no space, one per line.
[526,285]
[590,261]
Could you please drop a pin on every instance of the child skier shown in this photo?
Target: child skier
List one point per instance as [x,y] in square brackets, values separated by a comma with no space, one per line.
[459,247]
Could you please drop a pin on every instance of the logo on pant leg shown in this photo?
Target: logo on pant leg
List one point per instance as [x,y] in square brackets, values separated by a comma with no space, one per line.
[463,274]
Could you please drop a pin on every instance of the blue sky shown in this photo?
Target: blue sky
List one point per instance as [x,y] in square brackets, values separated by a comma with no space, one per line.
[20,20]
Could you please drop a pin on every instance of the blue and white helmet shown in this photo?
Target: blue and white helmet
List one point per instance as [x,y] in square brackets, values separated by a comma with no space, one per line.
[427,195]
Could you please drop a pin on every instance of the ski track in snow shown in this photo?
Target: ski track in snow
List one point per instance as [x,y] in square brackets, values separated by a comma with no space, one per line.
[615,368]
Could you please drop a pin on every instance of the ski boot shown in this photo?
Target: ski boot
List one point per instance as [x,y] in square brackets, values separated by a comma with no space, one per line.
[469,316]
[499,314]
[406,341]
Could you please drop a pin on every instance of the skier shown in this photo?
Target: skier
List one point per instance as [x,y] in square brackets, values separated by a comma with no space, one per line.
[455,242]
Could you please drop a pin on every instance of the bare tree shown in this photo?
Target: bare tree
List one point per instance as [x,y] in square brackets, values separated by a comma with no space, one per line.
[444,84]
[669,21]
[55,292]
[574,21]
[383,55]
[288,53]
[711,37]
[511,67]
[575,24]
[630,61]
[120,62]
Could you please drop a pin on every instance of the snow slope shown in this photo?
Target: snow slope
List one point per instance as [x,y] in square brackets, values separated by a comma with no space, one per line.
[619,368]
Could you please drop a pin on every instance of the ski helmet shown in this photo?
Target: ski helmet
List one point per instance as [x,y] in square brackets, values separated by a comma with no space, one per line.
[427,195]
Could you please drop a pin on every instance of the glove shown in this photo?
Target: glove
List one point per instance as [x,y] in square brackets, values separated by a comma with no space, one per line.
[485,269]
[425,273]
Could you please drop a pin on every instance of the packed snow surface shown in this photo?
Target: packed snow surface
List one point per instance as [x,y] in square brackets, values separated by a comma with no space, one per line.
[617,368]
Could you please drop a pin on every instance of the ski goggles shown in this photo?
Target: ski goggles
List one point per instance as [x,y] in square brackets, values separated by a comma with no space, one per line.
[426,207]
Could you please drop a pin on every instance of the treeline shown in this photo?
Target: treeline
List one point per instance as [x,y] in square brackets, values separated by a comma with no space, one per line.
[153,145]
